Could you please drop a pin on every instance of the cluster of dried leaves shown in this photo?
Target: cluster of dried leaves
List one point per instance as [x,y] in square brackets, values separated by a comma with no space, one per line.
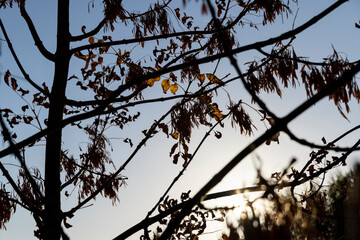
[115,81]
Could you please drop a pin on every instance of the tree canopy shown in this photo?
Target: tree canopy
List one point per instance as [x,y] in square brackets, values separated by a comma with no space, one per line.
[162,58]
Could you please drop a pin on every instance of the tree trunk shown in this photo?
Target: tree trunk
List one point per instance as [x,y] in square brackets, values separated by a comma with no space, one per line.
[52,217]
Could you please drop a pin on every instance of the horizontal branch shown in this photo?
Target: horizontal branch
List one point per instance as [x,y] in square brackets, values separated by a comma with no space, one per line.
[157,37]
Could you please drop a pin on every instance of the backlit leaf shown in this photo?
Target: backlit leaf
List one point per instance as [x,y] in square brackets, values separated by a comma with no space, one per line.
[165,84]
[174,135]
[213,79]
[173,88]
[151,81]
[201,78]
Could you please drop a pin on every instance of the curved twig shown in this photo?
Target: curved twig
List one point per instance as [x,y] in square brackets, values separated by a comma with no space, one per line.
[89,34]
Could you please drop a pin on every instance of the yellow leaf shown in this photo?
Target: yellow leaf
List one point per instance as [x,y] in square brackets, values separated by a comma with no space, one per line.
[218,115]
[174,135]
[216,112]
[165,84]
[201,77]
[151,81]
[91,40]
[212,78]
[174,88]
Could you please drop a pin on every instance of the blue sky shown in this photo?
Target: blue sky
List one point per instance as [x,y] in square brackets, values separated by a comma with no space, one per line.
[152,169]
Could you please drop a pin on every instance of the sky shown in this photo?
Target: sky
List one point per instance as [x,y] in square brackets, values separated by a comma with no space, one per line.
[151,171]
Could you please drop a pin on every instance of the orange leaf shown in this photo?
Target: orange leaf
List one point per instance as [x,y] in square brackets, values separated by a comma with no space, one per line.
[165,84]
[174,88]
[91,40]
[212,78]
[201,77]
[151,81]
[174,135]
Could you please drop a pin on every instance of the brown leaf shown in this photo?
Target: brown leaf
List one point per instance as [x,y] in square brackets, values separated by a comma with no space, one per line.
[6,77]
[14,84]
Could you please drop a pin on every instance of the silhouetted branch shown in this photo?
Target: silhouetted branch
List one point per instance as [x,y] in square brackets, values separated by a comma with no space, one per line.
[279,125]
[48,55]
[122,167]
[207,134]
[26,76]
[329,146]
[89,34]
[298,59]
[157,37]
[16,152]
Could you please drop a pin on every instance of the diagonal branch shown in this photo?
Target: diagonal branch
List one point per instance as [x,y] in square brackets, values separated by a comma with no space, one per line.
[122,167]
[38,43]
[27,204]
[15,151]
[89,34]
[280,124]
[26,76]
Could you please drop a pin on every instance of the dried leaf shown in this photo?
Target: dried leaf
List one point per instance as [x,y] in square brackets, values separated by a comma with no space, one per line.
[174,88]
[14,84]
[213,79]
[174,135]
[151,81]
[165,84]
[91,40]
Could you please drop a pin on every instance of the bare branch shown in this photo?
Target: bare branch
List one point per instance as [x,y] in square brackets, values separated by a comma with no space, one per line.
[48,55]
[122,167]
[26,76]
[329,146]
[89,34]
[16,152]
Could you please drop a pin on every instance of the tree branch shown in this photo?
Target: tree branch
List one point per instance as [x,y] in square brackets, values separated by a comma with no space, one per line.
[329,146]
[122,167]
[38,43]
[15,151]
[279,125]
[298,59]
[157,37]
[89,34]
[26,76]
[208,59]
